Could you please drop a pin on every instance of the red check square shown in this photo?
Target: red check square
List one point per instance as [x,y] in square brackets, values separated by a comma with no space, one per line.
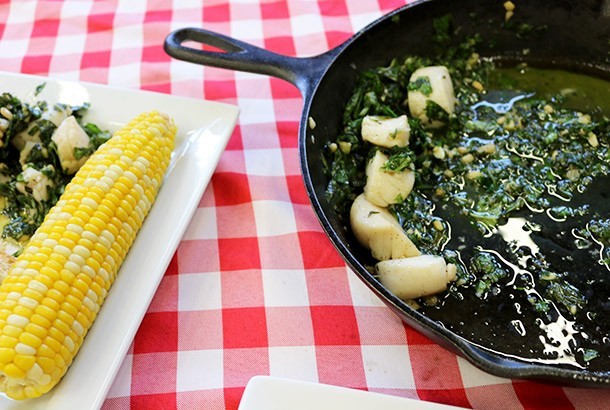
[288,132]
[220,90]
[173,268]
[165,401]
[233,397]
[45,28]
[389,5]
[274,10]
[231,188]
[318,251]
[154,54]
[452,397]
[238,254]
[99,22]
[333,8]
[36,64]
[158,333]
[95,59]
[416,338]
[434,368]
[158,15]
[335,325]
[296,188]
[217,13]
[244,328]
[539,395]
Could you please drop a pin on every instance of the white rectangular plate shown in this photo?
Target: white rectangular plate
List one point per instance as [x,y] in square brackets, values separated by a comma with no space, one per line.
[204,128]
[276,393]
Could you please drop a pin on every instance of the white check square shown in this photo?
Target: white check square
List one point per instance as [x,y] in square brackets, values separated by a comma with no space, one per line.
[199,370]
[285,288]
[199,291]
[388,367]
[293,362]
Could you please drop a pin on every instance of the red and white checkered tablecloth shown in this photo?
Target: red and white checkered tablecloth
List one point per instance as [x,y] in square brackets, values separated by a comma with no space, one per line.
[255,287]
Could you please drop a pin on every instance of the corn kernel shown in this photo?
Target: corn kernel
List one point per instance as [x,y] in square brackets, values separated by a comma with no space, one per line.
[62,327]
[31,298]
[23,311]
[6,354]
[39,320]
[14,371]
[62,287]
[11,331]
[35,330]
[55,339]
[47,363]
[46,312]
[24,362]
[30,340]
[60,362]
[8,341]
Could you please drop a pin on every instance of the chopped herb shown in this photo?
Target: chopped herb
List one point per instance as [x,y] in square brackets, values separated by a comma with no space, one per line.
[399,160]
[442,30]
[435,112]
[421,84]
[589,354]
[39,88]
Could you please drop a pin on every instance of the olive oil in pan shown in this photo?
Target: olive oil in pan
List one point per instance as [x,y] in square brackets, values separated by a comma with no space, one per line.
[536,279]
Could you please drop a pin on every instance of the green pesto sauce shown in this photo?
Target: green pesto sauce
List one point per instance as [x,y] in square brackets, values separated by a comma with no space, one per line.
[20,212]
[581,92]
[513,168]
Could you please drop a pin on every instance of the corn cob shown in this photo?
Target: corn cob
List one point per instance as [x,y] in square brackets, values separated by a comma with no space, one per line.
[55,289]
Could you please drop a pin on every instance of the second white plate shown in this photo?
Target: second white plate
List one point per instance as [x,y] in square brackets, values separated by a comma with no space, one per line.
[276,393]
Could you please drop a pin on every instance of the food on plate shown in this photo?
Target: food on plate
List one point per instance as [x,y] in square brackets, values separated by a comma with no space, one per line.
[504,176]
[42,145]
[52,294]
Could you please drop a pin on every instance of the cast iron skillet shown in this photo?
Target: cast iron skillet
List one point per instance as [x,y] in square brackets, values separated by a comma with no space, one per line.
[576,37]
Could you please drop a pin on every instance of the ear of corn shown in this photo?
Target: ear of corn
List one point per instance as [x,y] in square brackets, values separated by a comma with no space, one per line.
[54,291]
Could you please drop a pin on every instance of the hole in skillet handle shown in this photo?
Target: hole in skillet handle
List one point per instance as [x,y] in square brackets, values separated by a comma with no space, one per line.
[225,52]
[200,46]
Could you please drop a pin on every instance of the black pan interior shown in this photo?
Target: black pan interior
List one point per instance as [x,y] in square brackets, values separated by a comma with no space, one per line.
[575,36]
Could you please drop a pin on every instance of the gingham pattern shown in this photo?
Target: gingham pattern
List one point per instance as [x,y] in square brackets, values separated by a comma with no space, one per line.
[255,287]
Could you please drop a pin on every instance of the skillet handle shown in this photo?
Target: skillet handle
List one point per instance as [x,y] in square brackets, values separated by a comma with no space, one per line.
[304,73]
